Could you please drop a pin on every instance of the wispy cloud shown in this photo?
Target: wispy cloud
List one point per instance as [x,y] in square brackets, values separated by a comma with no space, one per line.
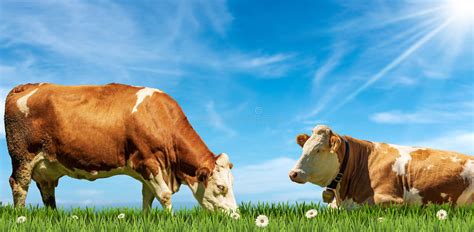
[3,95]
[392,65]
[404,81]
[264,177]
[73,33]
[397,117]
[434,114]
[435,74]
[379,42]
[216,120]
[460,141]
[269,180]
[327,66]
[267,65]
[265,60]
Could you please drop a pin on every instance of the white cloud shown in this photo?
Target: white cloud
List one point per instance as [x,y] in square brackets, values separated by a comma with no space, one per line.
[403,81]
[216,120]
[396,62]
[3,95]
[323,101]
[268,180]
[267,65]
[397,117]
[327,66]
[447,115]
[434,74]
[264,177]
[74,28]
[453,141]
[76,31]
[2,125]
[265,60]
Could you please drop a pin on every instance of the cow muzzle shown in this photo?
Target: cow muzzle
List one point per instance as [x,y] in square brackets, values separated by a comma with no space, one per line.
[297,176]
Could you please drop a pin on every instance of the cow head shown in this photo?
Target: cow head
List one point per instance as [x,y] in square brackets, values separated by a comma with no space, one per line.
[214,189]
[319,163]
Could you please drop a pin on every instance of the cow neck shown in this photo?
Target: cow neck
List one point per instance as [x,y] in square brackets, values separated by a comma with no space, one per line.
[342,168]
[191,151]
[355,182]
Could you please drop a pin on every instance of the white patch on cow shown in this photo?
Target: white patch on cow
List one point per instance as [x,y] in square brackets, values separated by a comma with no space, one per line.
[160,189]
[443,195]
[412,197]
[142,94]
[333,204]
[399,167]
[316,165]
[212,197]
[467,196]
[22,103]
[455,159]
[51,169]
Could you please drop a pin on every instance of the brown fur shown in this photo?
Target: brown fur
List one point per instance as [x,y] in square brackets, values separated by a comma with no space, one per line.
[369,177]
[92,128]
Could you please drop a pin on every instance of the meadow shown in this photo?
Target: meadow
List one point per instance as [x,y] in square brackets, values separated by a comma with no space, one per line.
[282,217]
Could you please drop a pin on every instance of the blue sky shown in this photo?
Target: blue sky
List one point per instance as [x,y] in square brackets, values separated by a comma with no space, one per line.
[252,75]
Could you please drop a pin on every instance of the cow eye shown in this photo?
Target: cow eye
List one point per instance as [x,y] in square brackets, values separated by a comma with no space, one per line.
[222,188]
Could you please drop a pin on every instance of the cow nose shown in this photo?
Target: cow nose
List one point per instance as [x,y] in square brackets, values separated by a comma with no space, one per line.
[293,175]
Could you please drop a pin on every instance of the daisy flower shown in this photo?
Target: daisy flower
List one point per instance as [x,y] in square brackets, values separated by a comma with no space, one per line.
[21,219]
[261,221]
[442,214]
[311,213]
[121,216]
[235,215]
[380,219]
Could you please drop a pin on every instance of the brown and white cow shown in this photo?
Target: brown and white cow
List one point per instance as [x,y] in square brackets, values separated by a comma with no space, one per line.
[381,173]
[92,132]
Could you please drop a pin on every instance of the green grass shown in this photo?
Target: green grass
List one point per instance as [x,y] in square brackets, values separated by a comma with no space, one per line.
[283,217]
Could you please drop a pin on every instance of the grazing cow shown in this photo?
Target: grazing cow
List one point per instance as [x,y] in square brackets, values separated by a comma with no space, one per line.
[362,172]
[92,132]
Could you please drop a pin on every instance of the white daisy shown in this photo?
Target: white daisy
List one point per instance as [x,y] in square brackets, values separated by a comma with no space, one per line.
[261,221]
[442,214]
[75,217]
[311,213]
[380,219]
[235,215]
[21,219]
[121,216]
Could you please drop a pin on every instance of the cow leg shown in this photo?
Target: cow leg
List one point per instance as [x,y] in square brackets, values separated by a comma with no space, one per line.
[161,190]
[19,182]
[47,193]
[148,198]
[387,200]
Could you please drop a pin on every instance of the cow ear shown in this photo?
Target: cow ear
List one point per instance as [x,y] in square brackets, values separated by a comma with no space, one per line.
[301,139]
[203,174]
[335,142]
[223,160]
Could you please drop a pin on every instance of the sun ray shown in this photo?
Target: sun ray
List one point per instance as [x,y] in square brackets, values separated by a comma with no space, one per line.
[414,30]
[410,16]
[402,57]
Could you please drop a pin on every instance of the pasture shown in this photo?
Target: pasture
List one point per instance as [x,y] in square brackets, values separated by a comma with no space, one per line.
[282,217]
